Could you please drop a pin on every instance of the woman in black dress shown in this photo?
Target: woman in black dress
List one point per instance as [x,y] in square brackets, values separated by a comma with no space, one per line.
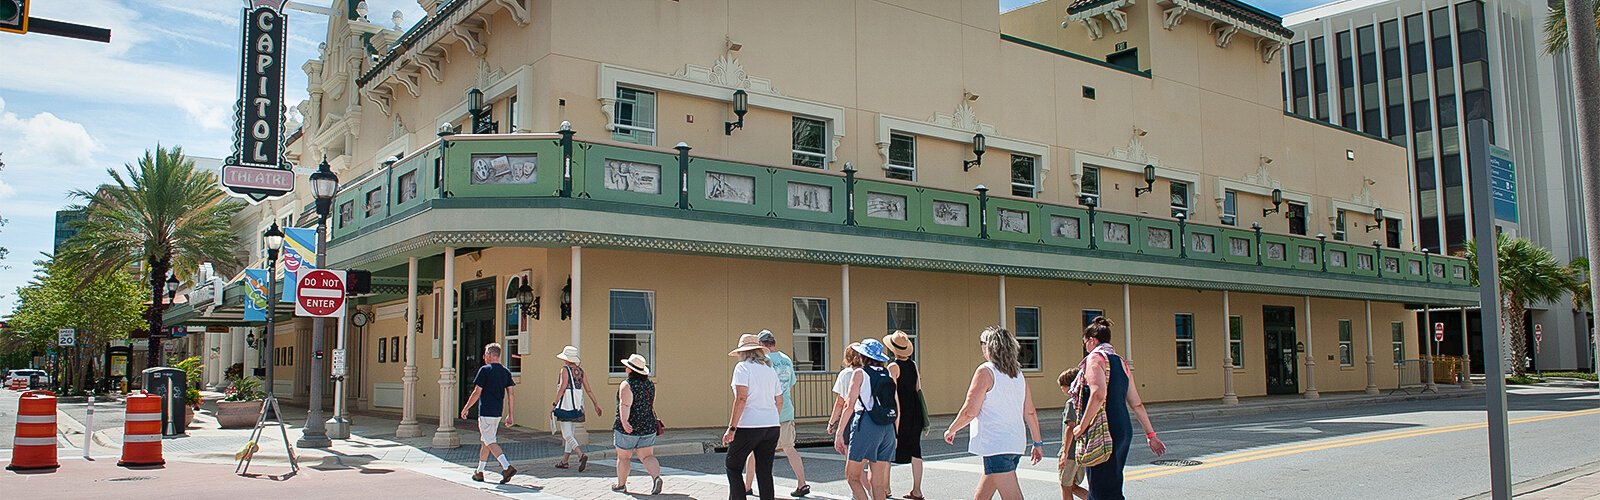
[908,437]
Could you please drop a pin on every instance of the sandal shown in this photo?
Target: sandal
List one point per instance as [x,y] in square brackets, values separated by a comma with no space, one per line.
[619,488]
[909,496]
[563,465]
[583,463]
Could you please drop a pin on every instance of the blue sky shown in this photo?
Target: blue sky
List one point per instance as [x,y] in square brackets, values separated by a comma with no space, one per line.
[70,109]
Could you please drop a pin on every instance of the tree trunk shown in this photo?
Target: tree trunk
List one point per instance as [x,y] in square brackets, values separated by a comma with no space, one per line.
[158,285]
[1586,92]
[1515,313]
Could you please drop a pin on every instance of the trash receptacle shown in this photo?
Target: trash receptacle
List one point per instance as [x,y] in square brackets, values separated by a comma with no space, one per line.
[170,384]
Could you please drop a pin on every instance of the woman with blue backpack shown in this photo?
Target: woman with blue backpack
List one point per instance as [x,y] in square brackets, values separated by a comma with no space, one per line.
[872,429]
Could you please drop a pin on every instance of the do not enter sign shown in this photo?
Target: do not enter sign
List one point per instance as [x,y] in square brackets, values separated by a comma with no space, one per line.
[1438,332]
[319,293]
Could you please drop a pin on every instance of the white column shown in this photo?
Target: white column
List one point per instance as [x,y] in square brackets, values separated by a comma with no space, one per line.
[445,436]
[225,356]
[1466,352]
[1229,397]
[1372,365]
[1127,322]
[408,412]
[577,297]
[1311,358]
[844,281]
[1003,301]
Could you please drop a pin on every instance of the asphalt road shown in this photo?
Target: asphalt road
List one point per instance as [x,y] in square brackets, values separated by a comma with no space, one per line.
[1420,449]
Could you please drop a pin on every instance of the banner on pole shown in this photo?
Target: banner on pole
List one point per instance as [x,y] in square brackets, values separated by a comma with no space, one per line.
[299,253]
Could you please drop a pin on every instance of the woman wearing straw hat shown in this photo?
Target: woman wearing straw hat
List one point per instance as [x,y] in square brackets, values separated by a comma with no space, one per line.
[753,426]
[636,435]
[913,422]
[567,409]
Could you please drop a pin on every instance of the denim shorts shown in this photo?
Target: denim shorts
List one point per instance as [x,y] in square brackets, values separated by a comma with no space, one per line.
[871,441]
[1001,464]
[632,442]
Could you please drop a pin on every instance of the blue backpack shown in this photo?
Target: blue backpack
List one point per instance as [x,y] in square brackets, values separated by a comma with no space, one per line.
[883,409]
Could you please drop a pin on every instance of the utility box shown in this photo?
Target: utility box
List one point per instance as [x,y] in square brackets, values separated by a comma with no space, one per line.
[170,384]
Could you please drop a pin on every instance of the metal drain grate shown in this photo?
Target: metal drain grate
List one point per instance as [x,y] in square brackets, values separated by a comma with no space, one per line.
[1176,463]
[132,478]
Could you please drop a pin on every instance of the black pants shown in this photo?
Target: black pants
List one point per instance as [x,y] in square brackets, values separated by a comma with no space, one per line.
[762,441]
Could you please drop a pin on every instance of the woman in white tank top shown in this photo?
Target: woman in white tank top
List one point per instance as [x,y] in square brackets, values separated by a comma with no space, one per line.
[998,405]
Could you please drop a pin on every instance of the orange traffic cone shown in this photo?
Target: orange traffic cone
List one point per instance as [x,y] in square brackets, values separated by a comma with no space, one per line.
[35,445]
[141,432]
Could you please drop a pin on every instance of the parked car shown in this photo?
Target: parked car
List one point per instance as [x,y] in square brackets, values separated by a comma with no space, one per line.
[29,377]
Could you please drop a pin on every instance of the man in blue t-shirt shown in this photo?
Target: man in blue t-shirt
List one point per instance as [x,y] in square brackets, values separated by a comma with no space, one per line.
[493,396]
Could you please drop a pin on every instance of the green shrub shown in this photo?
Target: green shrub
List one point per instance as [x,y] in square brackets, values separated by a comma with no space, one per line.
[244,389]
[1577,375]
[1523,380]
[193,370]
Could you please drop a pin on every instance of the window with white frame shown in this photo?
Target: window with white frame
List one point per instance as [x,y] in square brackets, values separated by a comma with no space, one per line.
[810,334]
[1090,314]
[1397,331]
[1180,198]
[634,117]
[1027,332]
[1090,182]
[633,326]
[1346,345]
[809,146]
[1339,225]
[1183,324]
[1024,175]
[903,317]
[511,114]
[516,326]
[1236,340]
[1230,207]
[902,157]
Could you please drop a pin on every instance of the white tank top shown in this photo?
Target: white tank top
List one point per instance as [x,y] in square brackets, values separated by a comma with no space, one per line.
[999,428]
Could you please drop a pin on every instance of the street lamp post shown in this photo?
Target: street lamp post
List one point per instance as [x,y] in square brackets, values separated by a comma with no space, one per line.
[323,185]
[274,240]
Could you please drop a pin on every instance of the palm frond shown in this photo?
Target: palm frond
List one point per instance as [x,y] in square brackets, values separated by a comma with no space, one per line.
[1555,26]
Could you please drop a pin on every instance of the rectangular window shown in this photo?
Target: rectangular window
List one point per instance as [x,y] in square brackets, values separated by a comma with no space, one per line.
[1297,78]
[1391,233]
[1398,332]
[1346,346]
[1090,314]
[632,327]
[1236,340]
[515,327]
[810,334]
[1027,331]
[1090,182]
[1339,224]
[1319,78]
[1297,219]
[511,117]
[902,157]
[1024,175]
[903,317]
[809,144]
[1184,329]
[1230,207]
[1180,198]
[634,118]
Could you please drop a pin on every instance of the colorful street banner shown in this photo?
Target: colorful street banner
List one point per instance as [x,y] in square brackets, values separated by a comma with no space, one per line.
[255,294]
[299,252]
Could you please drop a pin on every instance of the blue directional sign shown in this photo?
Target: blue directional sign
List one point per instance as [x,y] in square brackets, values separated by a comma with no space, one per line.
[1503,184]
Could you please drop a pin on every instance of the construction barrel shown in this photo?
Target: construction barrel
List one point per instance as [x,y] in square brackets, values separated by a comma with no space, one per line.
[35,444]
[141,434]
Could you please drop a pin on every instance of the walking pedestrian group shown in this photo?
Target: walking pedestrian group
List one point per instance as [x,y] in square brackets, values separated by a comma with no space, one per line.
[879,417]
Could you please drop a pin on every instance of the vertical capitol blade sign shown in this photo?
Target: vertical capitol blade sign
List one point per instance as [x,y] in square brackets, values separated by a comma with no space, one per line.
[257,170]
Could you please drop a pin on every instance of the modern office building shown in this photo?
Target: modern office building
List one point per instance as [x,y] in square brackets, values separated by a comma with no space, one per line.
[64,229]
[1416,72]
[832,174]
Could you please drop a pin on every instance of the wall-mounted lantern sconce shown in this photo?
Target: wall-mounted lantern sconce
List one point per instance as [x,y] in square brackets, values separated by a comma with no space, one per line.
[741,105]
[978,146]
[481,124]
[1277,203]
[1149,181]
[529,303]
[1377,219]
[566,299]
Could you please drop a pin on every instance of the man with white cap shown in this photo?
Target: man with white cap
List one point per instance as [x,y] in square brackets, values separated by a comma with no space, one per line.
[786,380]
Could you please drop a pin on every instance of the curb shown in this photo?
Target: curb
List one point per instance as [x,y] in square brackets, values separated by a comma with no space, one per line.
[1546,481]
[1313,404]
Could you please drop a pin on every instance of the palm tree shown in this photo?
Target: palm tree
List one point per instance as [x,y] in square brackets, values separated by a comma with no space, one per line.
[162,213]
[1555,27]
[1529,275]
[1581,293]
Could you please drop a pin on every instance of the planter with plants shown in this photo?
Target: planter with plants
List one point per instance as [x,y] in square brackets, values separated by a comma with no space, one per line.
[241,404]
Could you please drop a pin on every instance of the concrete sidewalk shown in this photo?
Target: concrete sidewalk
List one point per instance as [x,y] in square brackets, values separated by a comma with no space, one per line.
[1577,483]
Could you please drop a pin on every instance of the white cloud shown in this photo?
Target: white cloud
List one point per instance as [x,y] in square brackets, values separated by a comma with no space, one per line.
[44,142]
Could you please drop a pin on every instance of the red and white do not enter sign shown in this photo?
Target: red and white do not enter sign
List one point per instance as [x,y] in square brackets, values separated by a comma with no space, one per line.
[319,293]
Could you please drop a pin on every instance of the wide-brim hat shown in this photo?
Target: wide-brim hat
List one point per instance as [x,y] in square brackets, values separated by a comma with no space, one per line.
[899,343]
[638,364]
[568,353]
[747,342]
[873,349]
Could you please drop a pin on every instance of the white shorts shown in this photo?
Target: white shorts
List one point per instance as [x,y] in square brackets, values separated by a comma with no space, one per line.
[487,427]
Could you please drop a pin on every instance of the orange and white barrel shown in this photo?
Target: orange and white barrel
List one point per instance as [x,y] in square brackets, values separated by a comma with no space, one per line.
[141,433]
[35,444]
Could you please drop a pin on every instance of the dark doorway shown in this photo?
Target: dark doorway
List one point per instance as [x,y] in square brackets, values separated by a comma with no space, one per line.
[477,330]
[1283,374]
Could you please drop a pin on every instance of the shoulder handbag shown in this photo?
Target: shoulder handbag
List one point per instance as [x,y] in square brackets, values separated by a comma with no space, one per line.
[1094,446]
[575,414]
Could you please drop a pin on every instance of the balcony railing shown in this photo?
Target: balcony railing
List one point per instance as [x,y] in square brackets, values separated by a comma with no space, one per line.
[533,165]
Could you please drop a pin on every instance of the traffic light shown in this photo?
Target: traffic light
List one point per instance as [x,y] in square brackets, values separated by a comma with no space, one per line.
[357,281]
[14,16]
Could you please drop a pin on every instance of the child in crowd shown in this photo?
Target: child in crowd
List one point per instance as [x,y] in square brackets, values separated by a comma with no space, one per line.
[1071,473]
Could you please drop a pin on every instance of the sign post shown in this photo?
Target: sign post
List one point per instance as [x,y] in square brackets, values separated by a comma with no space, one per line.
[1478,161]
[1538,337]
